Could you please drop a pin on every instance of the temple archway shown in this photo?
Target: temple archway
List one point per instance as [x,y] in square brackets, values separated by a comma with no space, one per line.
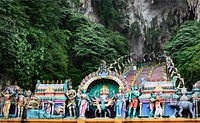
[99,78]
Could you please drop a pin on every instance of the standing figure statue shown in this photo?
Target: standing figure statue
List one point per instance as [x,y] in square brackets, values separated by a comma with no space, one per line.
[71,94]
[133,99]
[152,105]
[1,103]
[27,100]
[7,103]
[158,111]
[20,103]
[27,96]
[49,108]
[83,103]
[119,102]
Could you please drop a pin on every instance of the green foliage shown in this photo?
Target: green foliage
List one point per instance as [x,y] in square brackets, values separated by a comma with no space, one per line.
[111,13]
[56,55]
[184,48]
[47,40]
[91,47]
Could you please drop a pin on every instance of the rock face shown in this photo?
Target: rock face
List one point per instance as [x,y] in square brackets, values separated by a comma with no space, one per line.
[166,12]
[194,7]
[87,9]
[144,11]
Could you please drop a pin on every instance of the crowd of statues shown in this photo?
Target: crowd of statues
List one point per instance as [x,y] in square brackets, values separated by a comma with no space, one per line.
[9,97]
[124,103]
[76,102]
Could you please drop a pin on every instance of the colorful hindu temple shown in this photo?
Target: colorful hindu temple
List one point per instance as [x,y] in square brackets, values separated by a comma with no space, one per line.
[139,93]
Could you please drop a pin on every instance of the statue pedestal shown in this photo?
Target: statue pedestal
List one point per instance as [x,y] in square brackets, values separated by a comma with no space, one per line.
[81,120]
[118,120]
[32,113]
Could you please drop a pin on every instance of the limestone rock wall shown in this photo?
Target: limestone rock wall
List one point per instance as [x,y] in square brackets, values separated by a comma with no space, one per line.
[143,11]
[87,9]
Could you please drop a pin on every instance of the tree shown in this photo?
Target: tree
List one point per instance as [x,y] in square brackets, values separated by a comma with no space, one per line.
[184,48]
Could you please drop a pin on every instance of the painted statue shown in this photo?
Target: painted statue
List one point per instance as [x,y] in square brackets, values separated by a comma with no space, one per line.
[103,101]
[20,103]
[33,104]
[49,107]
[7,103]
[28,97]
[158,111]
[103,66]
[27,100]
[1,103]
[60,110]
[152,105]
[83,103]
[96,102]
[182,104]
[133,99]
[119,102]
[71,94]
[103,70]
[124,109]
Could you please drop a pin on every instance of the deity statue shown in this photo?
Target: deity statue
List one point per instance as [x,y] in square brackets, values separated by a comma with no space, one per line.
[38,83]
[71,94]
[49,107]
[133,99]
[126,96]
[60,110]
[27,99]
[103,101]
[33,104]
[152,105]
[1,103]
[83,102]
[119,102]
[20,103]
[103,70]
[158,111]
[124,110]
[104,95]
[7,103]
[103,66]
[28,96]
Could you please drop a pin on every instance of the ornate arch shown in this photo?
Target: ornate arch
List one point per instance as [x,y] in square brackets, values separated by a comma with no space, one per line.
[110,75]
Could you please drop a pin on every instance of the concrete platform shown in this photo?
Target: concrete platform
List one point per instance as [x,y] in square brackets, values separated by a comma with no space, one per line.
[103,120]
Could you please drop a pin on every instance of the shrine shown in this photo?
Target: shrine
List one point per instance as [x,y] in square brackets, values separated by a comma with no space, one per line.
[50,96]
[107,94]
